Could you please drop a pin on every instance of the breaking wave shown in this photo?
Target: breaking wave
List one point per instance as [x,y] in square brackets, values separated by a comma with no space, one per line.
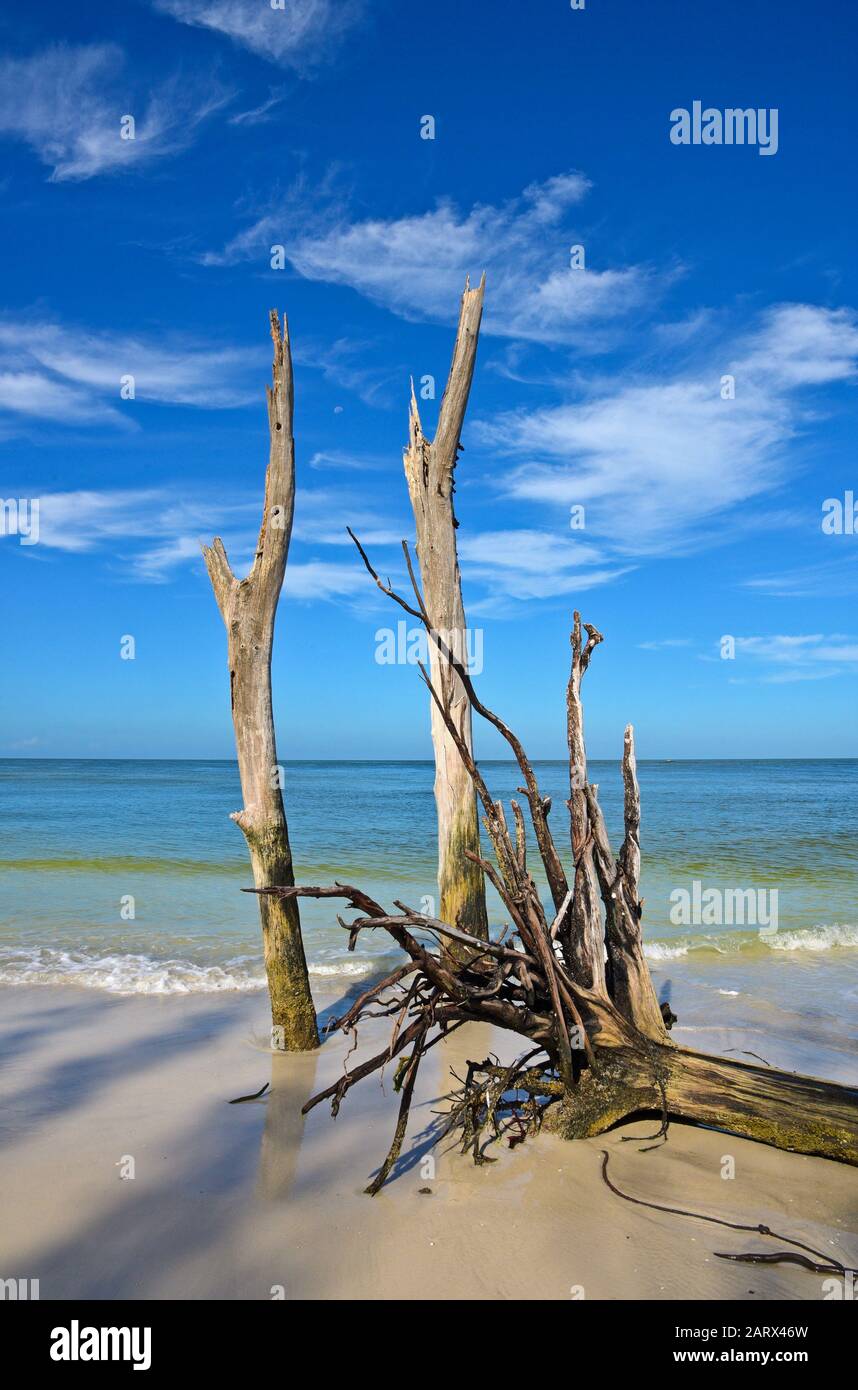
[816,938]
[140,974]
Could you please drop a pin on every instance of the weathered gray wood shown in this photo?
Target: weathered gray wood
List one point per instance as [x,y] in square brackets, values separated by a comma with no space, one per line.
[603,1051]
[429,470]
[583,941]
[630,983]
[802,1114]
[249,609]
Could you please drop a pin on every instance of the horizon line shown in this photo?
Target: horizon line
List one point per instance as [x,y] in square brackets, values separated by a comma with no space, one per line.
[424,762]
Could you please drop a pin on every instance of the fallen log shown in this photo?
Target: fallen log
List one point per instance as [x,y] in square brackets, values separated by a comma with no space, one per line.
[571,979]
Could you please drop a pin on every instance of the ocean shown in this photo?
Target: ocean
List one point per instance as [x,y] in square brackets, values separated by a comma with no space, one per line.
[126,876]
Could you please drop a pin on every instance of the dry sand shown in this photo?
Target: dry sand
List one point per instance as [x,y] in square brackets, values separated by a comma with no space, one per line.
[233,1201]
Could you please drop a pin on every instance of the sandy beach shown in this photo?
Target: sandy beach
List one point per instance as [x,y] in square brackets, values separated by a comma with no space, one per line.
[235,1202]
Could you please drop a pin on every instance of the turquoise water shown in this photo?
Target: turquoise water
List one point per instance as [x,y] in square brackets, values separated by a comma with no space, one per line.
[79,838]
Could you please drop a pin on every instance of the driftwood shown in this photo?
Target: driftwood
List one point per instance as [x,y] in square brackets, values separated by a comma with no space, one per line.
[248,608]
[573,983]
[256,1095]
[430,472]
[823,1264]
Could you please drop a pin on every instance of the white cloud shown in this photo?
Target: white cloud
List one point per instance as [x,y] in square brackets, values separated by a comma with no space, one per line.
[260,115]
[525,550]
[515,564]
[367,535]
[528,564]
[793,677]
[655,463]
[346,459]
[646,462]
[803,657]
[319,579]
[67,103]
[803,345]
[416,266]
[83,520]
[835,578]
[800,649]
[509,567]
[296,35]
[50,370]
[349,363]
[168,369]
[167,527]
[34,394]
[152,533]
[55,372]
[155,564]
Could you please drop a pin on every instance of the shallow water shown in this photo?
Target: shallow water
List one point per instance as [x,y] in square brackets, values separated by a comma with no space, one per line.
[80,839]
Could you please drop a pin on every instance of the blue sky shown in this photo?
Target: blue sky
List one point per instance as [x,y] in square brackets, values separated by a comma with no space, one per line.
[599,387]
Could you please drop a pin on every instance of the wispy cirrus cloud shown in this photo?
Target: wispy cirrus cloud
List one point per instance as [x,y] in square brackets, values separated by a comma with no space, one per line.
[67,103]
[296,34]
[322,579]
[803,657]
[802,345]
[523,564]
[166,526]
[54,371]
[349,461]
[85,519]
[416,265]
[152,535]
[502,569]
[260,115]
[834,578]
[349,363]
[60,371]
[33,395]
[658,463]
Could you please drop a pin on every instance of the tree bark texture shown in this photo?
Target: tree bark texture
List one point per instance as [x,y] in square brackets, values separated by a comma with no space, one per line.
[248,608]
[430,471]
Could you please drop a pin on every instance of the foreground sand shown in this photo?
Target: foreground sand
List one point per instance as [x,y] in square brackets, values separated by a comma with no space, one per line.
[230,1201]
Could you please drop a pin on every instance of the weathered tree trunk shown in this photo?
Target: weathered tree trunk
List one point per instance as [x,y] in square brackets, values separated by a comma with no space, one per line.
[581,936]
[248,608]
[603,1049]
[574,983]
[628,979]
[430,469]
[802,1114]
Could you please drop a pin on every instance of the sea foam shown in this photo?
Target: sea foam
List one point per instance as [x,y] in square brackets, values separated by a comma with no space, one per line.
[820,937]
[140,974]
[137,973]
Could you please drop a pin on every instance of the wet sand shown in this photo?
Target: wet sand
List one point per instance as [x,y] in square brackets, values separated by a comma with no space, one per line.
[241,1201]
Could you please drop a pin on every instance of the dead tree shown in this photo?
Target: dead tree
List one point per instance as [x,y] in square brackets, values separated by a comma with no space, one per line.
[430,470]
[570,980]
[249,608]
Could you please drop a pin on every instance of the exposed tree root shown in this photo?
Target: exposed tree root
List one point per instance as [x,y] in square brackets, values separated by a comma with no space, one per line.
[570,978]
[827,1265]
[256,1094]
